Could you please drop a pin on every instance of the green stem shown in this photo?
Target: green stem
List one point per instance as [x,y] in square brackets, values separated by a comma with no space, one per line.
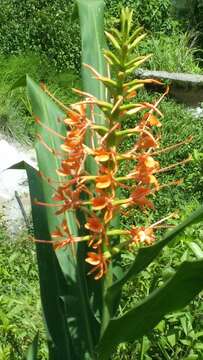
[100,128]
[127,132]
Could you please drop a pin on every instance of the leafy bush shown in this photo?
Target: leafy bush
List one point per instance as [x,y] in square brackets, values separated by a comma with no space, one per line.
[43,27]
[154,15]
[190,12]
[46,26]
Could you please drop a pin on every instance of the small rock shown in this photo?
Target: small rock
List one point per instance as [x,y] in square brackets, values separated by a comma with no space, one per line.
[197,112]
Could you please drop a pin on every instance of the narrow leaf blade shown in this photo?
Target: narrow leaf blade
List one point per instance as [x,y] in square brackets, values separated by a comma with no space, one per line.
[174,295]
[33,348]
[49,272]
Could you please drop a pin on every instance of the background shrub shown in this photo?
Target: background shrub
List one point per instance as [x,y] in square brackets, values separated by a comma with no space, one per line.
[190,12]
[43,27]
[154,15]
[46,27]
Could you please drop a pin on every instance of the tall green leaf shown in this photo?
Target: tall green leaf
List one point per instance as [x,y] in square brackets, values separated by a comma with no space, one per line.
[52,283]
[175,294]
[50,115]
[91,15]
[33,348]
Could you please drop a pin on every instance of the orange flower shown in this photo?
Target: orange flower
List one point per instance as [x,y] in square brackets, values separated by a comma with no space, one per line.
[60,233]
[95,241]
[104,181]
[76,115]
[73,139]
[138,197]
[141,234]
[109,213]
[68,167]
[146,141]
[99,262]
[104,202]
[151,120]
[71,198]
[102,155]
[145,168]
[93,224]
[99,202]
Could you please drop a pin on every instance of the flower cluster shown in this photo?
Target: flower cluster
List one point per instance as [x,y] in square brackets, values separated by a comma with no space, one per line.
[96,193]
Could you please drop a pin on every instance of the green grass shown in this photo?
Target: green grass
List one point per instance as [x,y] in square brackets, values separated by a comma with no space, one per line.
[173,53]
[20,307]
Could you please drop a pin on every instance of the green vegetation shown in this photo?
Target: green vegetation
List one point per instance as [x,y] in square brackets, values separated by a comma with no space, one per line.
[15,112]
[20,306]
[48,30]
[179,335]
[52,29]
[171,53]
[190,14]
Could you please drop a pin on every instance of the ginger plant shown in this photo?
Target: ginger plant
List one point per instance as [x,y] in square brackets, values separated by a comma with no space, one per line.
[96,194]
[77,201]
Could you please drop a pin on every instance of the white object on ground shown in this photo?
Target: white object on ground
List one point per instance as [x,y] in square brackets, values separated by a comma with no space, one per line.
[11,153]
[197,112]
